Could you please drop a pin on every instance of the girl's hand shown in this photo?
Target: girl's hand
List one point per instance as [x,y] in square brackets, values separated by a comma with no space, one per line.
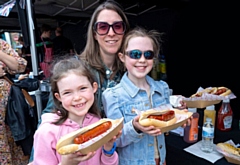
[183,105]
[188,121]
[76,158]
[151,130]
[109,145]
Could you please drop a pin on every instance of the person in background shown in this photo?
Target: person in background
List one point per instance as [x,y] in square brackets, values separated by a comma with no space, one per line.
[106,29]
[26,54]
[139,91]
[12,63]
[47,45]
[61,44]
[75,108]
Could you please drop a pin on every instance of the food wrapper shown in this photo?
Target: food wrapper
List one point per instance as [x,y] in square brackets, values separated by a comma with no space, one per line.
[206,99]
[181,115]
[175,100]
[231,158]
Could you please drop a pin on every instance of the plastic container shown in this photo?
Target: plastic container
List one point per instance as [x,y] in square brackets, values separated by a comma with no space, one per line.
[191,132]
[225,116]
[211,113]
[207,136]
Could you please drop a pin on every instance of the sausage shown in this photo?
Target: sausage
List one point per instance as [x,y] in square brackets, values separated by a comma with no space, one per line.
[163,117]
[90,134]
[220,91]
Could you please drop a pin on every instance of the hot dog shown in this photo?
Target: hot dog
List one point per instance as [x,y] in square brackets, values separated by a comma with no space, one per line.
[157,118]
[229,148]
[98,130]
[207,90]
[96,134]
[221,91]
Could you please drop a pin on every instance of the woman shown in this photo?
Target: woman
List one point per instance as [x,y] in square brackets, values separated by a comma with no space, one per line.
[105,34]
[106,29]
[45,62]
[12,63]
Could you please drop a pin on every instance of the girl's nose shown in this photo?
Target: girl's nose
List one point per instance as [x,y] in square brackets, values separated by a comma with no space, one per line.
[77,97]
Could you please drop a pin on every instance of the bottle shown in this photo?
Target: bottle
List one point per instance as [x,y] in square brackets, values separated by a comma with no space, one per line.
[211,113]
[207,136]
[225,116]
[191,132]
[163,71]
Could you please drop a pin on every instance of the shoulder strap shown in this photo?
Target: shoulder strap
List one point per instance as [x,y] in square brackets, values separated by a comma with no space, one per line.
[7,79]
[43,43]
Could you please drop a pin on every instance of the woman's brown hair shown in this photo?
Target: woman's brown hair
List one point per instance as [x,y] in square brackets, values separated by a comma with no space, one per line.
[91,52]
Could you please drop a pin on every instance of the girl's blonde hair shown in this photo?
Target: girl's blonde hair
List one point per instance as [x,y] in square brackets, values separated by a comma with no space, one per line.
[138,31]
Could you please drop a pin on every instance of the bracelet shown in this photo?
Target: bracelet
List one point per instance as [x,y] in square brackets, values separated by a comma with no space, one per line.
[111,151]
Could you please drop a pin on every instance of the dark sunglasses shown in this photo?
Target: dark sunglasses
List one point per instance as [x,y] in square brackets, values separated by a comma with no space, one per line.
[102,28]
[137,54]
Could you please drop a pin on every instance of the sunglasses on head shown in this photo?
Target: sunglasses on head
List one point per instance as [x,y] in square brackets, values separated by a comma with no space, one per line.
[102,28]
[137,54]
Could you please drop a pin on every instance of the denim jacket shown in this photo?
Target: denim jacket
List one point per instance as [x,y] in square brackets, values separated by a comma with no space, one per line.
[135,148]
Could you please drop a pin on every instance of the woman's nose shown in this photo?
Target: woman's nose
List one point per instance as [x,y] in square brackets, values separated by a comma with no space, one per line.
[111,32]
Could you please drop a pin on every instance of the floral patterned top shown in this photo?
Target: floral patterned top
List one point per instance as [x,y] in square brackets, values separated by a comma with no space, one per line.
[4,85]
[8,147]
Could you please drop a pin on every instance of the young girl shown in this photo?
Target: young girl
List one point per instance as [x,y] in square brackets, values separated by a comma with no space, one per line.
[73,87]
[138,144]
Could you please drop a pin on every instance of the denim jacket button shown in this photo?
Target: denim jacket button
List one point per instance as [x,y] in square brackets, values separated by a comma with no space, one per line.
[160,146]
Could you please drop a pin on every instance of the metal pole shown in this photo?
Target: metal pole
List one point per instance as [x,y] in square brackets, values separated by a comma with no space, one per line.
[32,39]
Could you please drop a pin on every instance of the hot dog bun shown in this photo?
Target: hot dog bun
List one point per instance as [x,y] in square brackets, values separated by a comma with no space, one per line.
[229,148]
[144,121]
[65,144]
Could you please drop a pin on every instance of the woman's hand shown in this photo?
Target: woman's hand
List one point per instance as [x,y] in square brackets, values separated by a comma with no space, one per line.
[151,130]
[76,158]
[22,76]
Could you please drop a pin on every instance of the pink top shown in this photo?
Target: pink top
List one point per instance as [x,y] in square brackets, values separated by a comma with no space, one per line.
[47,135]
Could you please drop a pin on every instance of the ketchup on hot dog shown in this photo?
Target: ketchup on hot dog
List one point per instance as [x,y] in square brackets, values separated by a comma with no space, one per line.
[163,117]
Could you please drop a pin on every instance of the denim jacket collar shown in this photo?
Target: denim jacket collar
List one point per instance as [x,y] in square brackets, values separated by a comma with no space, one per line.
[132,89]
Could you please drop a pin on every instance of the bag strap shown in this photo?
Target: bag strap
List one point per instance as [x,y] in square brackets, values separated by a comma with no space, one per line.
[28,98]
[7,79]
